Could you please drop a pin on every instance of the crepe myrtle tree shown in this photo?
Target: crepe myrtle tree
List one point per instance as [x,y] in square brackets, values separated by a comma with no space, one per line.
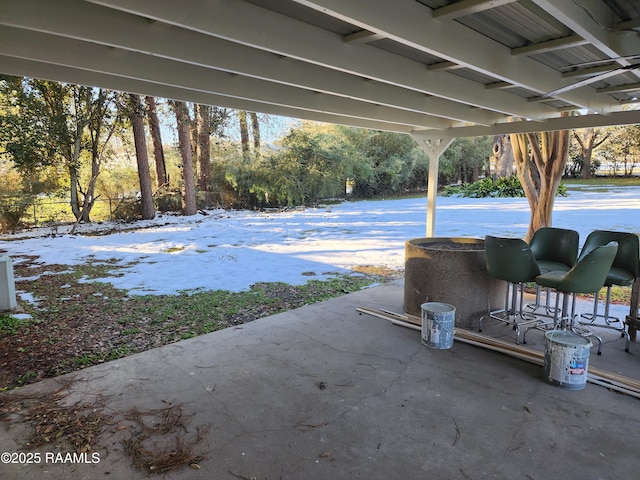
[540,159]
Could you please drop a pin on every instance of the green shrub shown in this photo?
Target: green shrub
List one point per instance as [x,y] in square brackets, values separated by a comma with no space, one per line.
[128,209]
[168,201]
[488,187]
[12,210]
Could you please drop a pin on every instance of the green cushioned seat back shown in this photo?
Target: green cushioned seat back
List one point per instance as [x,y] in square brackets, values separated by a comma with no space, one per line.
[510,259]
[590,273]
[627,261]
[553,246]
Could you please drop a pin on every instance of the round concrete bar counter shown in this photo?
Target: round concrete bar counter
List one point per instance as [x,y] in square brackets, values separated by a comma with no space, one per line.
[450,270]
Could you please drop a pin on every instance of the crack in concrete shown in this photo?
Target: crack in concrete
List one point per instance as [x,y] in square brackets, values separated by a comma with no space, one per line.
[517,430]
[210,392]
[339,350]
[378,393]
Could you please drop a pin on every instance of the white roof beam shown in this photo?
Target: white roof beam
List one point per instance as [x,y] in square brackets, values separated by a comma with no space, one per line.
[629,87]
[363,36]
[417,28]
[595,22]
[499,86]
[235,20]
[588,72]
[436,67]
[68,52]
[550,45]
[628,117]
[46,71]
[467,7]
[75,19]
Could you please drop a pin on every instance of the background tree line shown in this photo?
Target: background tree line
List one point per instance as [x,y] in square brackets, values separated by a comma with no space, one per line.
[83,144]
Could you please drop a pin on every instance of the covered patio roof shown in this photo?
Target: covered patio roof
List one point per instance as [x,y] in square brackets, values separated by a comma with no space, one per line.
[435,68]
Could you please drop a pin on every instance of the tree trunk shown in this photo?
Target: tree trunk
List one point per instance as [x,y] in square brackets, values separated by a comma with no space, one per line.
[156,137]
[88,203]
[188,184]
[244,134]
[98,116]
[73,191]
[204,150]
[74,163]
[588,141]
[540,161]
[89,198]
[502,156]
[193,131]
[144,175]
[255,126]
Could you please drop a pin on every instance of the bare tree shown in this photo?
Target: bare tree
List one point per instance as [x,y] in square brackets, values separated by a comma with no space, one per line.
[623,151]
[156,137]
[588,140]
[144,175]
[193,131]
[105,119]
[540,160]
[204,151]
[255,127]
[188,183]
[244,133]
[69,106]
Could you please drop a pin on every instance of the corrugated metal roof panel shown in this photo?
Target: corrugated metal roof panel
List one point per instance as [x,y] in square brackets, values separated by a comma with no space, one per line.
[515,25]
[564,59]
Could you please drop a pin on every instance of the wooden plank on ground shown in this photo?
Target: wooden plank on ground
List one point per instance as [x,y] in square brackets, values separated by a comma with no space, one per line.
[613,381]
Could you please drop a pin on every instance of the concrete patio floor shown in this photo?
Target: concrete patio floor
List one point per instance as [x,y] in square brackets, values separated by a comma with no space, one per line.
[391,409]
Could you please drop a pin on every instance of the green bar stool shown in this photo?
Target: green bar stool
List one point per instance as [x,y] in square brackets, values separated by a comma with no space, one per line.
[511,260]
[555,249]
[623,272]
[586,276]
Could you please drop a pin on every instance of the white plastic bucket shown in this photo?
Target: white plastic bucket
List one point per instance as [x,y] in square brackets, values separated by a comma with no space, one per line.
[566,359]
[438,324]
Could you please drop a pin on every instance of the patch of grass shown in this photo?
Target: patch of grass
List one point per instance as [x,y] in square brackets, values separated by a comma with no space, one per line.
[619,295]
[26,378]
[10,325]
[88,359]
[98,323]
[119,352]
[173,249]
[604,181]
[600,184]
[92,271]
[384,272]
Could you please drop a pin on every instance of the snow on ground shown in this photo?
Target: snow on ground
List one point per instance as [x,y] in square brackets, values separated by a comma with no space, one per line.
[232,250]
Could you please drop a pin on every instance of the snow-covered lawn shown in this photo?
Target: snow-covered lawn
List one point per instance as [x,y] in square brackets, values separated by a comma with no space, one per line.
[231,250]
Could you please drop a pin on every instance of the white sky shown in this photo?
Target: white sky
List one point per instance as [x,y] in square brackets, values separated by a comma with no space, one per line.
[232,250]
